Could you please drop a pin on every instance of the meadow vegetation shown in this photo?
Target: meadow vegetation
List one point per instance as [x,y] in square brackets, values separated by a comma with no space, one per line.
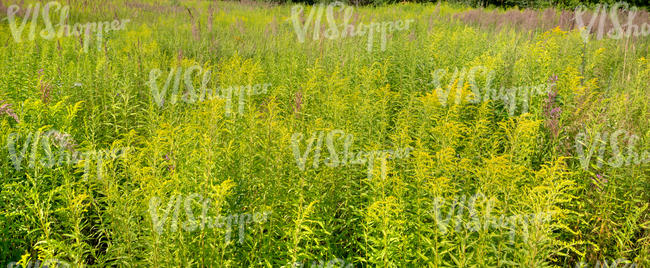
[415,211]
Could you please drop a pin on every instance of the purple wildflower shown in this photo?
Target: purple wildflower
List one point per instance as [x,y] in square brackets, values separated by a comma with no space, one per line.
[601,179]
[555,112]
[169,167]
[6,109]
[46,91]
[551,111]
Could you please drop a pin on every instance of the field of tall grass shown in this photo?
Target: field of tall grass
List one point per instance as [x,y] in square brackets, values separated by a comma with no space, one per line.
[208,134]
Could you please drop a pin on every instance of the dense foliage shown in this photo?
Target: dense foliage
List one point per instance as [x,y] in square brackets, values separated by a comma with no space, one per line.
[525,161]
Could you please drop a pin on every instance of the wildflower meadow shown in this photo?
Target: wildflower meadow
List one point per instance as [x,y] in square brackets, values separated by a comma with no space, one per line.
[196,133]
